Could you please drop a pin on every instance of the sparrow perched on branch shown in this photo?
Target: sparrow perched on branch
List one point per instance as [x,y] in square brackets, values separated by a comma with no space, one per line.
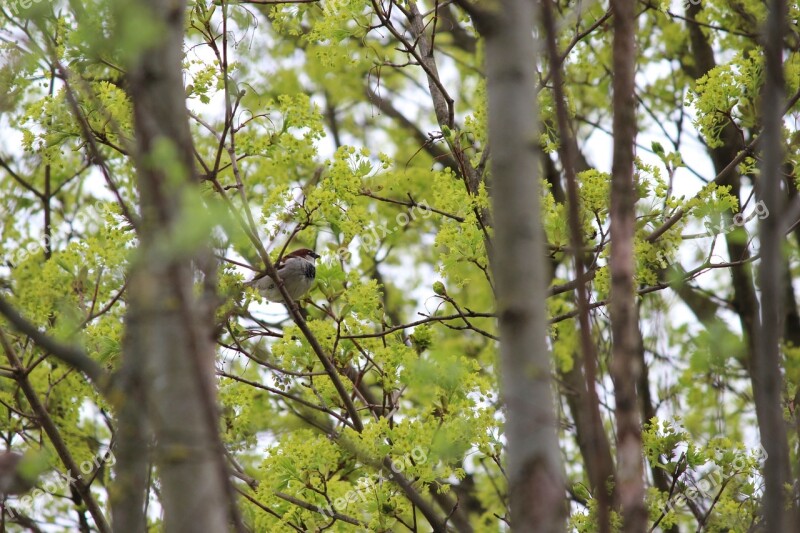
[296,270]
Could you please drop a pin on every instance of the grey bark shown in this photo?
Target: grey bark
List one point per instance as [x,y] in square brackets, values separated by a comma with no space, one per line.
[169,351]
[535,477]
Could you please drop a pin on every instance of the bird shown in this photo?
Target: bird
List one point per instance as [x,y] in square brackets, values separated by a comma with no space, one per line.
[296,270]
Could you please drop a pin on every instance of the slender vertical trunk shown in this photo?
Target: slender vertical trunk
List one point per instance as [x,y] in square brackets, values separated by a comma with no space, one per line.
[536,482]
[766,364]
[625,365]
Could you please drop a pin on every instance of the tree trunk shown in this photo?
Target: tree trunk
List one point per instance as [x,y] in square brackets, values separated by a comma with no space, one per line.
[168,326]
[625,364]
[536,480]
[767,379]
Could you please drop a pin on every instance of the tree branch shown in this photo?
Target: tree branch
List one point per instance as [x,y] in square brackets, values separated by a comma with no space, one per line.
[72,355]
[21,376]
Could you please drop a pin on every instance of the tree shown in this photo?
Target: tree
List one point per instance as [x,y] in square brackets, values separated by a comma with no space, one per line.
[168,354]
[535,477]
[400,140]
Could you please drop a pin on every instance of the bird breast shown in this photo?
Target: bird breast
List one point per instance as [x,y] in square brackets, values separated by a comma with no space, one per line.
[297,275]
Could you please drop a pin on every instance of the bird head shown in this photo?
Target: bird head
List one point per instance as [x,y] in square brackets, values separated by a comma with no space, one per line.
[302,253]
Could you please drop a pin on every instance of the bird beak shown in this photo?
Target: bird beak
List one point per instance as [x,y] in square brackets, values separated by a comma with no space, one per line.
[314,255]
